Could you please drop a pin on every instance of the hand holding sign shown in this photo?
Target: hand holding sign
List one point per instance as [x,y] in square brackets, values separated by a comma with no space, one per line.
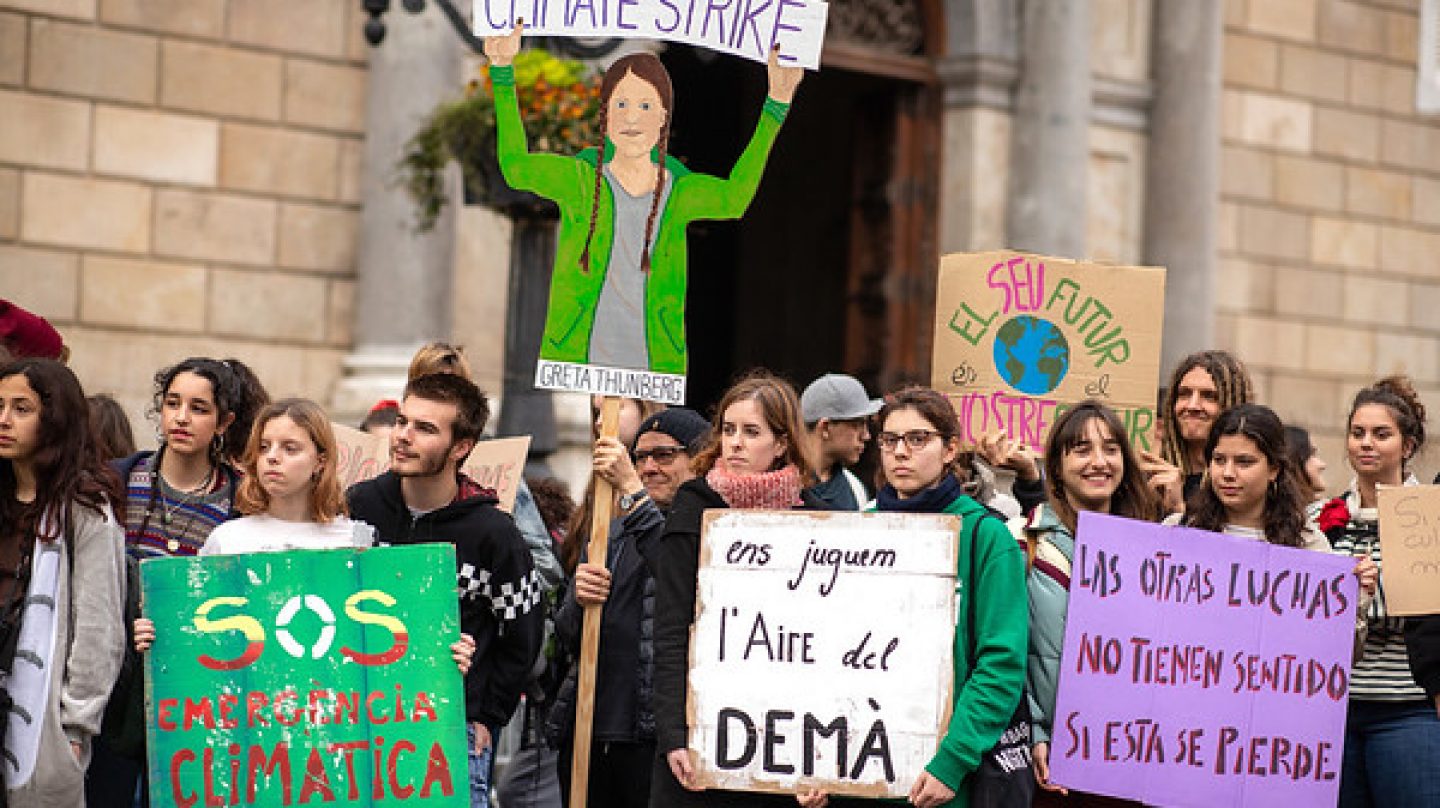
[783,80]
[501,50]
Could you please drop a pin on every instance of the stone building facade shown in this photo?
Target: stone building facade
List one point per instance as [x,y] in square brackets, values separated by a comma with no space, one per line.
[211,177]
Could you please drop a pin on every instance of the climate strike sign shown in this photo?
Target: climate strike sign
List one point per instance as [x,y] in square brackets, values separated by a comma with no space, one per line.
[821,650]
[1202,669]
[744,28]
[1019,337]
[315,677]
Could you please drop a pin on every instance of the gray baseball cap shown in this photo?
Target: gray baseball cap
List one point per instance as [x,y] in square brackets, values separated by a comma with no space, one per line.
[837,397]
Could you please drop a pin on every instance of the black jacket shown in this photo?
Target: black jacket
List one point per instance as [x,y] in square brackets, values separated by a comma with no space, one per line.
[500,592]
[1422,640]
[624,670]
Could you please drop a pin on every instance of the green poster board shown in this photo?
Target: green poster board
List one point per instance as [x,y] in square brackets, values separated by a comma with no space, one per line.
[305,678]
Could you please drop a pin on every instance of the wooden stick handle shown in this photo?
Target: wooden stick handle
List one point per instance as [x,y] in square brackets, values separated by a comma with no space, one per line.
[597,552]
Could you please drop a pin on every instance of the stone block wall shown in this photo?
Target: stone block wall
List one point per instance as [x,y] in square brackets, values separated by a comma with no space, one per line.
[1330,208]
[182,177]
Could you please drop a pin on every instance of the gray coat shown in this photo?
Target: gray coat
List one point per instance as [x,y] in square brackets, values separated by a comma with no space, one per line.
[89,644]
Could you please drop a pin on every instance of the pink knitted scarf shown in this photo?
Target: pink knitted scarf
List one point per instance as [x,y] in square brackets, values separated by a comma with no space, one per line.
[772,490]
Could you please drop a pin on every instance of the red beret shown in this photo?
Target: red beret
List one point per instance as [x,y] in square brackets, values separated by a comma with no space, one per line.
[28,335]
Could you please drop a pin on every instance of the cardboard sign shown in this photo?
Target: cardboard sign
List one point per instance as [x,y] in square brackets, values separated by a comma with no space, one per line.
[1202,669]
[305,677]
[1019,337]
[497,464]
[1410,549]
[744,28]
[822,649]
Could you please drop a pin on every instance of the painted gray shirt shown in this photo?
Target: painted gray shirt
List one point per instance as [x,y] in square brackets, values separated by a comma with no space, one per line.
[618,338]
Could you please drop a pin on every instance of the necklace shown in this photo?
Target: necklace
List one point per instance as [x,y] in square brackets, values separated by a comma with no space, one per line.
[169,507]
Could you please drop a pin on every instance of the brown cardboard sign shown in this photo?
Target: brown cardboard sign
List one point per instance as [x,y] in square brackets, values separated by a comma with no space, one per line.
[821,650]
[1410,549]
[1020,337]
[497,464]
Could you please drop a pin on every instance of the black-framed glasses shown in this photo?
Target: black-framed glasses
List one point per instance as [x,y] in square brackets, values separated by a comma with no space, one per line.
[915,439]
[664,455]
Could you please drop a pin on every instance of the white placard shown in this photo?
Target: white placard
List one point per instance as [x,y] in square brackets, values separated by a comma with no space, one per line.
[744,28]
[822,649]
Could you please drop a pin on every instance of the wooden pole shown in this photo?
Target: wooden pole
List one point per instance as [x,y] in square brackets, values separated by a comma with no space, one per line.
[597,552]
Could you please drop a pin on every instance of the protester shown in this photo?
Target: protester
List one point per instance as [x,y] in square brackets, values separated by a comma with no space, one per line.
[1392,724]
[632,412]
[425,498]
[26,335]
[59,544]
[1309,467]
[174,498]
[755,457]
[1203,386]
[177,494]
[1251,489]
[920,456]
[110,425]
[617,290]
[439,357]
[1090,466]
[291,499]
[622,753]
[837,413]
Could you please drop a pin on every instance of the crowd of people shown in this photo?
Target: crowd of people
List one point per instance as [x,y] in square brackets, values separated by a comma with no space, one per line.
[237,473]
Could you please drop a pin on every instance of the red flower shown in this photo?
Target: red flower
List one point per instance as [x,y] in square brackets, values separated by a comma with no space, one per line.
[1334,514]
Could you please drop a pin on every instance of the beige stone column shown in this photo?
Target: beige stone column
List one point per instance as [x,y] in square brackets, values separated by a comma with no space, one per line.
[1050,152]
[1182,183]
[403,283]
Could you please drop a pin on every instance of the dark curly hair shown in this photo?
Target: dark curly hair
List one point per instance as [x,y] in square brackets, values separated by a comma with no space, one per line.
[1284,502]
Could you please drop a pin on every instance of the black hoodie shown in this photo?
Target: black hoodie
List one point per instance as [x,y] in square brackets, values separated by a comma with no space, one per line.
[500,591]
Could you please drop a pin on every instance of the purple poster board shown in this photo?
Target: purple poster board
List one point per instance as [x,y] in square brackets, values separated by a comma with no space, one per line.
[1202,669]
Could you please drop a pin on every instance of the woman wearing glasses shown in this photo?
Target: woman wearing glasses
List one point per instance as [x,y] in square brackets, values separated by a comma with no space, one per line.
[919,449]
[756,457]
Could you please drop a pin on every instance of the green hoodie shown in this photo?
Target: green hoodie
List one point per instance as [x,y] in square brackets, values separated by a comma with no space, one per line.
[985,698]
[570,183]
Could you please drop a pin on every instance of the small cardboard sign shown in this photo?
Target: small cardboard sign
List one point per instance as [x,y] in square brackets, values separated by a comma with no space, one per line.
[497,464]
[821,653]
[1410,549]
[1019,338]
[744,28]
[1201,669]
[305,677]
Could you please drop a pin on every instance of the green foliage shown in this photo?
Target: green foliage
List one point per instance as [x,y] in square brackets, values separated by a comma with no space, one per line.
[559,102]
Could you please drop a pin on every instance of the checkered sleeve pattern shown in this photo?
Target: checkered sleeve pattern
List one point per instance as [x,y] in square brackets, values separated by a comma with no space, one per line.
[507,601]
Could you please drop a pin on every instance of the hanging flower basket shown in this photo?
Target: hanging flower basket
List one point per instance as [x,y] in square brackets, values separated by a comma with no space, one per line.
[560,104]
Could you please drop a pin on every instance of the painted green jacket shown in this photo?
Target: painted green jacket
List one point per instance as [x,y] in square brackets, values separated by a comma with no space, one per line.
[984,698]
[570,183]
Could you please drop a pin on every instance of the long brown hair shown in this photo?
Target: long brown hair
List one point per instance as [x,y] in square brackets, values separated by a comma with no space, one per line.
[1133,498]
[779,406]
[67,465]
[648,68]
[327,501]
[935,408]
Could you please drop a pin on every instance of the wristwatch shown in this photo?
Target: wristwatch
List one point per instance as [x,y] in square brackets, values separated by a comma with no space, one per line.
[629,501]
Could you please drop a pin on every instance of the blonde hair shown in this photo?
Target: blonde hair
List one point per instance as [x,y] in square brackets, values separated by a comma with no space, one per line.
[327,501]
[439,357]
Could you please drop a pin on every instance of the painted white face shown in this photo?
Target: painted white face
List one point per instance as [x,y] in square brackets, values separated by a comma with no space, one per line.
[635,117]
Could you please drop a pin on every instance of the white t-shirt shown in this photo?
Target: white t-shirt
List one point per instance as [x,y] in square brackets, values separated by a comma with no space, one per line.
[266,534]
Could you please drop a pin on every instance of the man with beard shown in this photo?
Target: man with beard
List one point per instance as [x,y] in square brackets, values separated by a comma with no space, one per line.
[425,498]
[1203,386]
